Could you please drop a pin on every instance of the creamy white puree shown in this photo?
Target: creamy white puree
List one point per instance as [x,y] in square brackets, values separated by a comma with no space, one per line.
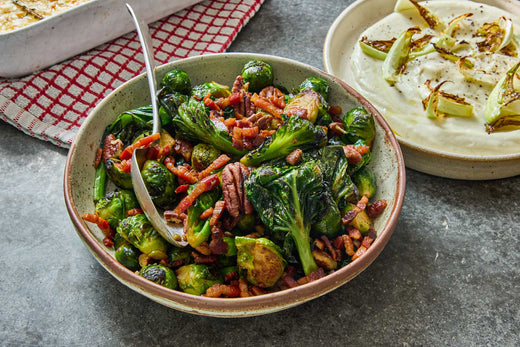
[401,104]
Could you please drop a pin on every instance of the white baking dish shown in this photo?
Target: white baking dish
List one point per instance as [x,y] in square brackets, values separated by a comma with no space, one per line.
[76,30]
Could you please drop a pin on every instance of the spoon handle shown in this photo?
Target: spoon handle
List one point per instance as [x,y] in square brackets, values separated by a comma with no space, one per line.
[146,44]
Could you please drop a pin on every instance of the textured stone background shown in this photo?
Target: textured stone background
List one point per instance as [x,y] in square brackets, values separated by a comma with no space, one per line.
[450,274]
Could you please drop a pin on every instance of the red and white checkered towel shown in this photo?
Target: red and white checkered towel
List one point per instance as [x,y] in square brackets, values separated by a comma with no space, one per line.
[52,104]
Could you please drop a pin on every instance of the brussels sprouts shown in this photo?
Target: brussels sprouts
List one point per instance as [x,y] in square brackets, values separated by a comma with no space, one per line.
[258,74]
[203,155]
[140,233]
[308,101]
[128,256]
[330,222]
[130,124]
[169,105]
[260,260]
[195,278]
[113,206]
[365,181]
[176,81]
[317,84]
[361,222]
[246,222]
[159,182]
[160,274]
[359,125]
[177,253]
[216,90]
[115,172]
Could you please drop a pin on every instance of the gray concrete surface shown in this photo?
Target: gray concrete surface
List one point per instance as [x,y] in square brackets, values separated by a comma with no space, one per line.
[450,274]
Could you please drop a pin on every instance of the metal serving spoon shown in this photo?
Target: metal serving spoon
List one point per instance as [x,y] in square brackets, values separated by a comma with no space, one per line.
[171,232]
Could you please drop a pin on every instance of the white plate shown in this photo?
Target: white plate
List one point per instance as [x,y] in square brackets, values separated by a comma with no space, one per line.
[341,39]
[76,30]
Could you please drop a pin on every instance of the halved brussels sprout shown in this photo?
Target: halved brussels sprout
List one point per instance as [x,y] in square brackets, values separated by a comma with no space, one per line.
[260,260]
[365,180]
[195,278]
[159,182]
[216,90]
[359,125]
[114,205]
[160,274]
[317,84]
[203,155]
[115,172]
[140,233]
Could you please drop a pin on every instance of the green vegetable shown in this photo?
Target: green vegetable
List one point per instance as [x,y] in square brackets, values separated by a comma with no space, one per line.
[260,260]
[194,123]
[317,84]
[160,274]
[114,205]
[258,74]
[337,175]
[295,133]
[213,88]
[159,182]
[116,174]
[195,278]
[330,222]
[100,182]
[140,233]
[203,155]
[496,113]
[365,180]
[398,56]
[128,256]
[361,222]
[310,101]
[177,253]
[289,199]
[131,124]
[176,81]
[198,230]
[169,105]
[359,125]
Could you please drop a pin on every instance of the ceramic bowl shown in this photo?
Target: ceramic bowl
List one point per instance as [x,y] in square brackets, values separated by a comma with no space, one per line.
[340,41]
[387,164]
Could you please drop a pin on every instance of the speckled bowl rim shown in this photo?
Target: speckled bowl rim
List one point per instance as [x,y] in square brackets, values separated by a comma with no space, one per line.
[249,306]
[328,47]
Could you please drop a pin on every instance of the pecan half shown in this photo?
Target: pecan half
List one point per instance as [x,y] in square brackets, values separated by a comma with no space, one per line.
[233,177]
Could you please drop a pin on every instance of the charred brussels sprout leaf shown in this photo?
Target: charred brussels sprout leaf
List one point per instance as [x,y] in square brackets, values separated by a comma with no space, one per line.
[176,81]
[160,274]
[203,155]
[330,222]
[195,278]
[295,133]
[337,170]
[289,199]
[114,205]
[115,172]
[179,254]
[193,122]
[317,84]
[159,182]
[261,260]
[258,74]
[131,124]
[140,233]
[359,125]
[170,105]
